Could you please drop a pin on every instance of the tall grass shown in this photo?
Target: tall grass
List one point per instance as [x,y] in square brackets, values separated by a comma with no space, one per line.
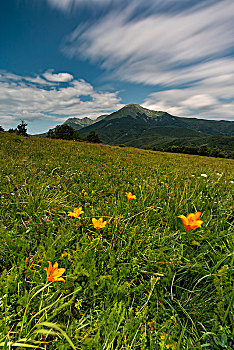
[143,282]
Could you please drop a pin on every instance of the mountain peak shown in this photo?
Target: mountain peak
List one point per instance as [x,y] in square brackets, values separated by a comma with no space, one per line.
[148,112]
[136,111]
[132,105]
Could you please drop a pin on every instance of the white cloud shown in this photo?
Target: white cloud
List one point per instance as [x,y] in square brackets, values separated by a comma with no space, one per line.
[38,80]
[194,102]
[201,101]
[167,47]
[28,99]
[60,77]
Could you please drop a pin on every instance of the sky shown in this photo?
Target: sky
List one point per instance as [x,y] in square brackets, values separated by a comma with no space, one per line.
[85,58]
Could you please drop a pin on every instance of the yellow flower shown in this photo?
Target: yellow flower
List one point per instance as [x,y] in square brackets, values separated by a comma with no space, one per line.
[54,273]
[76,213]
[130,196]
[191,221]
[98,223]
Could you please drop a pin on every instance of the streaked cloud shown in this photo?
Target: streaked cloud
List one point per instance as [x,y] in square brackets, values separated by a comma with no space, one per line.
[167,46]
[33,98]
[161,40]
[67,5]
[195,101]
[144,6]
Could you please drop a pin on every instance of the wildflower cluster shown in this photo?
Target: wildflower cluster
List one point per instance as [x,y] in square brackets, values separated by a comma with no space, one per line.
[141,268]
[190,222]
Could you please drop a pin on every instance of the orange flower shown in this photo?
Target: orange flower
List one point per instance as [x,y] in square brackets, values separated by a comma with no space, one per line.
[98,223]
[76,213]
[130,196]
[54,273]
[191,221]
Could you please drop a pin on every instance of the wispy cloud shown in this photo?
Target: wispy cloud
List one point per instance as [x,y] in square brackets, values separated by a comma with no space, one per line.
[33,98]
[68,5]
[191,103]
[145,6]
[166,46]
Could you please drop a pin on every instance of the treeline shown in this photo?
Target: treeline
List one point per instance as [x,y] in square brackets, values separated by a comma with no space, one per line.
[62,132]
[20,129]
[67,132]
[202,150]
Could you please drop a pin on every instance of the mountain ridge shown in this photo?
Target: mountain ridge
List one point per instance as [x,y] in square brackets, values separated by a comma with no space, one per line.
[137,126]
[79,123]
[134,125]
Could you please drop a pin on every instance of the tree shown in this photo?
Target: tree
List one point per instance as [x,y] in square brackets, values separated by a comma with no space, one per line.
[92,137]
[63,132]
[51,134]
[1,128]
[21,129]
[203,150]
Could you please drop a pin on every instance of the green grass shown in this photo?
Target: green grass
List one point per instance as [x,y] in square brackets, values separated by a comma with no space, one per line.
[143,282]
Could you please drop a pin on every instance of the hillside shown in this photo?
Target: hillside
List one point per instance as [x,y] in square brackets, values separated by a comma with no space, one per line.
[143,280]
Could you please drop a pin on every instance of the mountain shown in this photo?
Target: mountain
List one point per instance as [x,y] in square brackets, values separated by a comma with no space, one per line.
[78,123]
[134,125]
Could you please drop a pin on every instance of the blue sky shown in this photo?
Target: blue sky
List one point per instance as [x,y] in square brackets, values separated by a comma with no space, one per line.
[84,58]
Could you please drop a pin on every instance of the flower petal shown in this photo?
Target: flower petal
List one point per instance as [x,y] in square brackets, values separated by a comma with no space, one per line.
[184,219]
[58,272]
[197,215]
[61,279]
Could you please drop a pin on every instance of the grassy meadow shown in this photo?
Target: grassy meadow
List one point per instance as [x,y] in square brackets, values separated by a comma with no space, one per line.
[142,281]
